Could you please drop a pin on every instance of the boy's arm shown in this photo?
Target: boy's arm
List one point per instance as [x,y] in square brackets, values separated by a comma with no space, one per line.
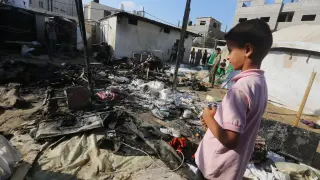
[229,121]
[227,138]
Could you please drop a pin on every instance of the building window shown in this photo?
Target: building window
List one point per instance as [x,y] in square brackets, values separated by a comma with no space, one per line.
[166,30]
[308,17]
[106,13]
[55,8]
[40,4]
[203,22]
[285,17]
[30,1]
[242,20]
[215,25]
[289,1]
[265,19]
[133,21]
[269,2]
[246,4]
[62,10]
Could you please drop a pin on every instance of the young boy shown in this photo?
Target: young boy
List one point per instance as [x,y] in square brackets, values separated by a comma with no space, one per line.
[222,67]
[226,148]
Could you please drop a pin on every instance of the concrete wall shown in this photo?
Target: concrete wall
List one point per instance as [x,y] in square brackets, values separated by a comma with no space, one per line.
[205,29]
[258,9]
[95,11]
[108,30]
[63,7]
[127,38]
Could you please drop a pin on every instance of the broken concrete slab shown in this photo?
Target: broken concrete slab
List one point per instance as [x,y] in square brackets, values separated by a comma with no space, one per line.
[294,142]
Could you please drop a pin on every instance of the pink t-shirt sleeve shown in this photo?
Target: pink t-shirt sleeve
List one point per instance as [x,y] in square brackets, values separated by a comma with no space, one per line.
[232,112]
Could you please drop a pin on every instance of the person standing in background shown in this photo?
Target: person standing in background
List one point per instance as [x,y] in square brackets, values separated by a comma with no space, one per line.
[193,56]
[52,37]
[222,68]
[204,57]
[198,57]
[214,68]
[211,60]
[174,52]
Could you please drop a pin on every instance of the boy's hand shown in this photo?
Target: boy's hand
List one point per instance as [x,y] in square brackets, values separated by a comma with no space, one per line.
[208,113]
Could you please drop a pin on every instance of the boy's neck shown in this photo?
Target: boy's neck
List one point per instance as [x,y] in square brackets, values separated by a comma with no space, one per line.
[250,66]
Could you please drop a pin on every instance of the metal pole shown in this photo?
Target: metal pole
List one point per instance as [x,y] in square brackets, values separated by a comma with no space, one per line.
[181,43]
[84,39]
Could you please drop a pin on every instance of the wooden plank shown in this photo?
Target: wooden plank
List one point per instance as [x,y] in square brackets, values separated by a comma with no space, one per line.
[305,97]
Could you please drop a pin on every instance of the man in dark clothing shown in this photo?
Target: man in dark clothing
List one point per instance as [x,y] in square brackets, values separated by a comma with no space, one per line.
[198,57]
[174,52]
[204,57]
[193,56]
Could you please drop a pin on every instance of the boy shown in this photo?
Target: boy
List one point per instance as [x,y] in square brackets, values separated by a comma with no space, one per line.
[228,143]
[222,67]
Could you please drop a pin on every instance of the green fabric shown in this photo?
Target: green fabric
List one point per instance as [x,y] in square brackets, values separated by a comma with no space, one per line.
[211,60]
[229,69]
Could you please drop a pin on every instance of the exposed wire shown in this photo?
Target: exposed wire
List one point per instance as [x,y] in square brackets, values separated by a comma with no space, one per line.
[160,19]
[154,160]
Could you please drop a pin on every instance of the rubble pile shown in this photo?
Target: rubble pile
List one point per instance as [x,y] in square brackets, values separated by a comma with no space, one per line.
[131,110]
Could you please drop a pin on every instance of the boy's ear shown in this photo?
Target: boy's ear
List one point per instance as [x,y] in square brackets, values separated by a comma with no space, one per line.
[249,50]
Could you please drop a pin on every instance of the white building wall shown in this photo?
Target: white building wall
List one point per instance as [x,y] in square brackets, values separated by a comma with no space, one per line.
[146,37]
[108,29]
[95,11]
[62,7]
[287,76]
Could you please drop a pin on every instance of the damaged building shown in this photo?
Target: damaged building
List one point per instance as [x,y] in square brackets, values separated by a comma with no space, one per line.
[208,27]
[279,14]
[127,33]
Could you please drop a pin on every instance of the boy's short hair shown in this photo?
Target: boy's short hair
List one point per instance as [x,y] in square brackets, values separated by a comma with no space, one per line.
[255,32]
[218,49]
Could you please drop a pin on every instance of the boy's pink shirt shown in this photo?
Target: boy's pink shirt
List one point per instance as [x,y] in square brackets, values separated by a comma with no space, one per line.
[241,111]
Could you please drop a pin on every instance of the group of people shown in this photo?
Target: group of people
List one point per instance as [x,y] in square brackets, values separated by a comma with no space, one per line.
[213,62]
[196,57]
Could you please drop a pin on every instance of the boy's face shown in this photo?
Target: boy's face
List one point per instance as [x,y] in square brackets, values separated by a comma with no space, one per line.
[237,56]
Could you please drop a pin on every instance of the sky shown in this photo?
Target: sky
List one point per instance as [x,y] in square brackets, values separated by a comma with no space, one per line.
[172,10]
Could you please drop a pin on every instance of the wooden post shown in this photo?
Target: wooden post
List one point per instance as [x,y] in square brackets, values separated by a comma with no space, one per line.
[305,97]
[79,7]
[181,43]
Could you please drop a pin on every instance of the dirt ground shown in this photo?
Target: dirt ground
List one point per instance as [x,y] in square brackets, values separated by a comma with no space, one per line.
[12,118]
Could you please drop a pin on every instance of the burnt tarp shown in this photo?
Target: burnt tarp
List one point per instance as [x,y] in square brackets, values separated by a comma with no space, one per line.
[17,24]
[68,124]
[291,141]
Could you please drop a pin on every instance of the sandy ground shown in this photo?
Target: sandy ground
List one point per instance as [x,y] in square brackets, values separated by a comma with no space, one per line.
[11,119]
